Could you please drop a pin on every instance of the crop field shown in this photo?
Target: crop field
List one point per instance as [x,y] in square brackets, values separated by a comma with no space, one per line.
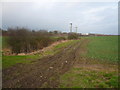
[103,48]
[89,62]
[98,68]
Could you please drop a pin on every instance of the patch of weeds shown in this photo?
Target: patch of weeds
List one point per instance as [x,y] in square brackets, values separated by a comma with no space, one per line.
[83,78]
[113,82]
[102,85]
[108,75]
[44,85]
[52,78]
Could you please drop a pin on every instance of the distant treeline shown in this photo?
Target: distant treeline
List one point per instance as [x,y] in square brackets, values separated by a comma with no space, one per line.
[22,40]
[53,33]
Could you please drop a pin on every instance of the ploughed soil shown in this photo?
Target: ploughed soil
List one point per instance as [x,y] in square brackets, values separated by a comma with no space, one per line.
[46,72]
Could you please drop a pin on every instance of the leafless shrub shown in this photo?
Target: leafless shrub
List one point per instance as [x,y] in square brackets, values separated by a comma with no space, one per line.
[73,36]
[23,40]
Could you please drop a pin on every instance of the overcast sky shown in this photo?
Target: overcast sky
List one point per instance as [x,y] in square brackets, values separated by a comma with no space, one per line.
[89,17]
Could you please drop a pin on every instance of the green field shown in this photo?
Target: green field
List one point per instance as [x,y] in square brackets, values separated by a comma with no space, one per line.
[103,48]
[100,51]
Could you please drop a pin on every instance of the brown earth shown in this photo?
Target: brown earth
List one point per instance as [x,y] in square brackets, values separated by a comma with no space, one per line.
[46,72]
[42,73]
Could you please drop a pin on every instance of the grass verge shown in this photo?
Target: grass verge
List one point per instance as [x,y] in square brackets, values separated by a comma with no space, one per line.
[83,78]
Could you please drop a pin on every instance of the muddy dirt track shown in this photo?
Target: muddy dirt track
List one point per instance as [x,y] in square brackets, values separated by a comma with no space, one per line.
[44,72]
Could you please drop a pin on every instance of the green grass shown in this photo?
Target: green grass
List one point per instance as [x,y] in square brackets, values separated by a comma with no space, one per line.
[99,48]
[8,61]
[65,44]
[80,78]
[103,48]
[11,60]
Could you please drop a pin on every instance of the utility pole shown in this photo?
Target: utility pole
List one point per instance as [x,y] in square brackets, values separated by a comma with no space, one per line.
[70,27]
[76,29]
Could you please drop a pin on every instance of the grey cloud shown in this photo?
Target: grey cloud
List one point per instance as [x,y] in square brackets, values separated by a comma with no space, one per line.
[89,17]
